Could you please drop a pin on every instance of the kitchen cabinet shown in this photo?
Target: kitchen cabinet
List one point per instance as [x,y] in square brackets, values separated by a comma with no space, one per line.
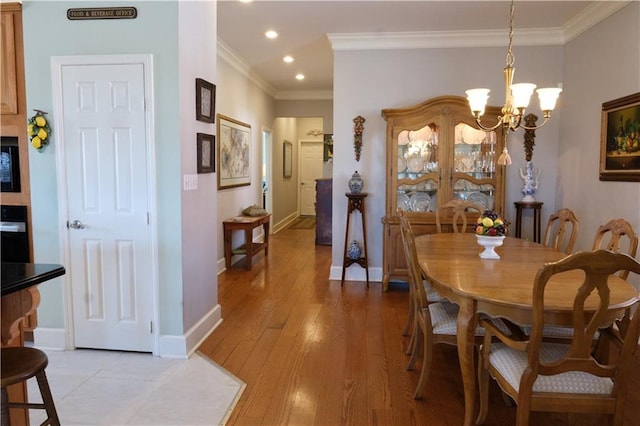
[435,153]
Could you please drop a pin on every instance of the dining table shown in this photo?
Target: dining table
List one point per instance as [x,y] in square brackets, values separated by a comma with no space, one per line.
[503,288]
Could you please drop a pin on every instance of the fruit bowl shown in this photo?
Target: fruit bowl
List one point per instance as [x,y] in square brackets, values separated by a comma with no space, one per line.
[489,244]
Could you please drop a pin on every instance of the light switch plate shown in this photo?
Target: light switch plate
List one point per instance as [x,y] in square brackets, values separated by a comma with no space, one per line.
[190,182]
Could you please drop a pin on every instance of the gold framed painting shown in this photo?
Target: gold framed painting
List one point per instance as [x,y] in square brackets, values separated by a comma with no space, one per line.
[620,139]
[234,152]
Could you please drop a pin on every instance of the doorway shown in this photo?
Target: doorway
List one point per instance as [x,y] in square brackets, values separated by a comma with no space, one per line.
[106,196]
[310,162]
[267,193]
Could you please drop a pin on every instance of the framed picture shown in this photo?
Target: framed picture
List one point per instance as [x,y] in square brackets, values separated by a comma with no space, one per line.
[620,139]
[206,153]
[234,146]
[205,101]
[287,149]
[328,147]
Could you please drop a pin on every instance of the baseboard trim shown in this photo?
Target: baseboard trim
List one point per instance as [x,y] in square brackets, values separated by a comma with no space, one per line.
[169,346]
[50,338]
[181,347]
[275,228]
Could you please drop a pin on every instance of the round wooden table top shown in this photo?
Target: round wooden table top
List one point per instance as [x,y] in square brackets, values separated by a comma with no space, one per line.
[452,263]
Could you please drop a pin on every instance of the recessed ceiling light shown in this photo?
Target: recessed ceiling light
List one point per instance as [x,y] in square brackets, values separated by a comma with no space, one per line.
[288,59]
[299,76]
[246,1]
[271,34]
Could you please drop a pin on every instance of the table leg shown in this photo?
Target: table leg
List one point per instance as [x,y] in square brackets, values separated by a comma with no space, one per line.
[265,229]
[467,322]
[248,243]
[518,222]
[227,248]
[536,225]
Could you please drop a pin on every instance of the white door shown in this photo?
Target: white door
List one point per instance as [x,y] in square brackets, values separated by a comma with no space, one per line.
[311,158]
[105,156]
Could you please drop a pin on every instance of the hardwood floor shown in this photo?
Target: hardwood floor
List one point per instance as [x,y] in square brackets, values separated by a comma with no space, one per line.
[313,353]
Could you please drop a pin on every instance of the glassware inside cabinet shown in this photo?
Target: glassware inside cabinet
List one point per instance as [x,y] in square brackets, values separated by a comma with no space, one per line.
[417,152]
[474,152]
[483,194]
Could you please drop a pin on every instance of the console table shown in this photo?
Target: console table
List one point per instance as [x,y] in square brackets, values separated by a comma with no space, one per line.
[246,224]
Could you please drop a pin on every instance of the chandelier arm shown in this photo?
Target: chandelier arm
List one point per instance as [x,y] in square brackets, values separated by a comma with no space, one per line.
[536,127]
[488,129]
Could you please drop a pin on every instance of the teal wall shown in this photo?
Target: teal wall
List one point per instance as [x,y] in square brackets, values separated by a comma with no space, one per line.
[47,33]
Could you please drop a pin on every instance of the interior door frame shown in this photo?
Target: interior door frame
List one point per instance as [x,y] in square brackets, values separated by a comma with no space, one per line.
[57,64]
[300,143]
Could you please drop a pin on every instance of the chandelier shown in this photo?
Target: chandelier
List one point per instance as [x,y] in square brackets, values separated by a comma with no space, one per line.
[517,96]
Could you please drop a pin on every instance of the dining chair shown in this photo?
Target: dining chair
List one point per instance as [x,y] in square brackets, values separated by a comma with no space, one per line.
[563,377]
[608,237]
[611,234]
[434,321]
[459,207]
[556,234]
[431,294]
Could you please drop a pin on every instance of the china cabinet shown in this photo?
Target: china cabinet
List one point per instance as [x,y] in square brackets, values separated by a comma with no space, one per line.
[436,153]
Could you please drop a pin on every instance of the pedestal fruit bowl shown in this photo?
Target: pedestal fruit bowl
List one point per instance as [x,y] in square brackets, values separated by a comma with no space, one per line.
[490,232]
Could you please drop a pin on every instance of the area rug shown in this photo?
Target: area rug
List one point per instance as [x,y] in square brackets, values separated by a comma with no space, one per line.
[304,222]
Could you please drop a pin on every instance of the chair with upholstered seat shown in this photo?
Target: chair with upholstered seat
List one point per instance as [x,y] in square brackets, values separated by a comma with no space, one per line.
[562,231]
[459,208]
[564,377]
[18,365]
[432,296]
[609,237]
[434,322]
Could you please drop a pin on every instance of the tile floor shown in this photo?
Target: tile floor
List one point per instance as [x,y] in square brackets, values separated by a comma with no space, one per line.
[93,387]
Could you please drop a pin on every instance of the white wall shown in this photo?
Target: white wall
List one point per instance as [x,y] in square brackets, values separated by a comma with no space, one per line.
[365,82]
[199,212]
[239,98]
[601,64]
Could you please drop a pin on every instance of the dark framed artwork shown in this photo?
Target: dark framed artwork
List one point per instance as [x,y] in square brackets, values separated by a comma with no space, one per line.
[620,139]
[328,146]
[205,101]
[206,153]
[234,153]
[287,152]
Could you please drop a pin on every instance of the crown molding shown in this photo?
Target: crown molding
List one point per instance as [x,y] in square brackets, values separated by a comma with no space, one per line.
[304,95]
[590,16]
[444,39]
[228,55]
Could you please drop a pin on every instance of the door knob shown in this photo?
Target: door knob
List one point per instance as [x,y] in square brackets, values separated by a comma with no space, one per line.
[76,224]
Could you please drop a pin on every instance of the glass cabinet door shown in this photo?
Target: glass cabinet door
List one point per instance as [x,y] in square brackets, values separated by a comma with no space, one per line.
[418,178]
[474,165]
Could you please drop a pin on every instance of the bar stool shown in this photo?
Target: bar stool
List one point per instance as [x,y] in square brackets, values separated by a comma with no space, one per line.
[18,365]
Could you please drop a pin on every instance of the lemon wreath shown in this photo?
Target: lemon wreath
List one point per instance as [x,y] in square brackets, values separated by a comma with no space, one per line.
[38,130]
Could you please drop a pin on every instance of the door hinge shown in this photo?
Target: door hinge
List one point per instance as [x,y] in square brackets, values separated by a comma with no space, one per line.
[150,327]
[148,218]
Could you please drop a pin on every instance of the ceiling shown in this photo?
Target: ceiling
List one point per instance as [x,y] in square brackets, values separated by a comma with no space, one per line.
[310,30]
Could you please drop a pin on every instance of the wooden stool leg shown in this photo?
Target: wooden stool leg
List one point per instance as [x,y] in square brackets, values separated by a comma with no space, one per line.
[4,414]
[47,399]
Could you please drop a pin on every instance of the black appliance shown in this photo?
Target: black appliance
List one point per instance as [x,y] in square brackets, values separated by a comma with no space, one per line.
[13,232]
[9,164]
